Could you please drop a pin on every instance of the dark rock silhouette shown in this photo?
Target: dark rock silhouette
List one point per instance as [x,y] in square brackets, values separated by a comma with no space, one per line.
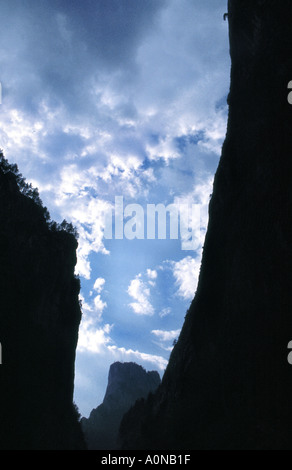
[127,382]
[228,384]
[39,320]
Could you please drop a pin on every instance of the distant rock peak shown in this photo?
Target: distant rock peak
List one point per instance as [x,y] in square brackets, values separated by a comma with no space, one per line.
[127,383]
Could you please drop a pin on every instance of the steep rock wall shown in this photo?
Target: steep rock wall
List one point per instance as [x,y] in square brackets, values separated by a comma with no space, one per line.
[39,320]
[228,384]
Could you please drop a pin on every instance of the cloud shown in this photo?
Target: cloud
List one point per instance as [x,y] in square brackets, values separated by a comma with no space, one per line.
[89,215]
[140,292]
[88,391]
[186,273]
[92,309]
[91,338]
[99,284]
[105,98]
[152,276]
[151,273]
[86,307]
[50,39]
[131,355]
[83,132]
[193,209]
[99,304]
[164,312]
[164,335]
[111,30]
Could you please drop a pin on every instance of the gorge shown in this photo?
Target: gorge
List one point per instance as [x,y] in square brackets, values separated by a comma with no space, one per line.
[228,384]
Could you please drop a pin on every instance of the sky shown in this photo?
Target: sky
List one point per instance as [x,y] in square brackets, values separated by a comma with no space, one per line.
[109,108]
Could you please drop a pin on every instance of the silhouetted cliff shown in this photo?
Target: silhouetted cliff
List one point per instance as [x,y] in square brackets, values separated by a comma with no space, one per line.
[39,319]
[228,384]
[127,382]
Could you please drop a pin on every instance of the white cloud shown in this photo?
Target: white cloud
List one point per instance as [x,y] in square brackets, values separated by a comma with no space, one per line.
[86,307]
[99,304]
[164,149]
[91,338]
[164,335]
[89,215]
[99,284]
[93,309]
[151,273]
[137,356]
[193,209]
[200,193]
[140,292]
[186,273]
[164,312]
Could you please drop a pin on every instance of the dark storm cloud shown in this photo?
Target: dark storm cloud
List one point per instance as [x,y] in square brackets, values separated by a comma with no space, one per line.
[56,49]
[113,29]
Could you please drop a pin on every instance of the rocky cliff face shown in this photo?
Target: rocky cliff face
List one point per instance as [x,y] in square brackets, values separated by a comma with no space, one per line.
[228,384]
[39,319]
[127,382]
